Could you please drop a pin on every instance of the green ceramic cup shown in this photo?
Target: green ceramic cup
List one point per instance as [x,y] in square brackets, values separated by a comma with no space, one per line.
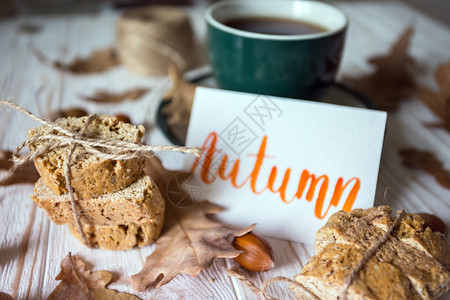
[296,66]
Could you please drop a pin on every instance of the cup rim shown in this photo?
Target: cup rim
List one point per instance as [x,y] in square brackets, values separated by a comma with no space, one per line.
[213,22]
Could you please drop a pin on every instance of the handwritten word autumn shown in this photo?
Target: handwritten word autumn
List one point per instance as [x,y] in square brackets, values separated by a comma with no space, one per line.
[321,182]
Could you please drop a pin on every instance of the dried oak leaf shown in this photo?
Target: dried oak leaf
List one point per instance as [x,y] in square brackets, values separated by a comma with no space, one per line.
[25,174]
[98,61]
[108,97]
[427,162]
[190,241]
[439,102]
[77,282]
[189,244]
[393,80]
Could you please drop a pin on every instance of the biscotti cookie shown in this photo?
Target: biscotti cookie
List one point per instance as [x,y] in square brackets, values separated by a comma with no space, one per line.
[413,263]
[120,237]
[91,176]
[140,202]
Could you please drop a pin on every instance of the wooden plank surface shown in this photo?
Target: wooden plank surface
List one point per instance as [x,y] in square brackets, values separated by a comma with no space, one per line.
[31,247]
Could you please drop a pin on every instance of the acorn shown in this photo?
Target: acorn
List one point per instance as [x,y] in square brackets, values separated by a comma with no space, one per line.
[257,254]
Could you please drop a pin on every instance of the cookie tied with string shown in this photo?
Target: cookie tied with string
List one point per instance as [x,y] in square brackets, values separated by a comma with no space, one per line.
[412,263]
[92,175]
[89,156]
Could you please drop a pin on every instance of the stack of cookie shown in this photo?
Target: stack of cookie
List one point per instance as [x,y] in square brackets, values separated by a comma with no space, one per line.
[119,205]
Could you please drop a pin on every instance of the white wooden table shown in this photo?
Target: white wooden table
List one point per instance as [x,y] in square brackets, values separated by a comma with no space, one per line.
[32,247]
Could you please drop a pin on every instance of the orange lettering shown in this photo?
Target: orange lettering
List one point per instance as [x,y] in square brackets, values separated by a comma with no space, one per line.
[283,186]
[233,173]
[335,199]
[209,146]
[258,164]
[351,196]
[312,188]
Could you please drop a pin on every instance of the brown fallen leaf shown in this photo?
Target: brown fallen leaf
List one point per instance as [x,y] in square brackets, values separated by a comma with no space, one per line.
[78,282]
[25,174]
[69,112]
[98,61]
[393,80]
[4,296]
[427,162]
[439,102]
[27,28]
[108,97]
[190,241]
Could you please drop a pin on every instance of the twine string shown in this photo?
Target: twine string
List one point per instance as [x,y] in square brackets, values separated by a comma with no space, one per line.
[286,280]
[149,39]
[371,252]
[120,150]
[239,274]
[101,148]
[155,44]
[68,176]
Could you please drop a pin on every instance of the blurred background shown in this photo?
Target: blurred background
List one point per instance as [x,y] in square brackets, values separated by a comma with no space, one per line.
[439,9]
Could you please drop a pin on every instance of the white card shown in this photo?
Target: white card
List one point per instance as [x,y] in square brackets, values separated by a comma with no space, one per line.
[284,164]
